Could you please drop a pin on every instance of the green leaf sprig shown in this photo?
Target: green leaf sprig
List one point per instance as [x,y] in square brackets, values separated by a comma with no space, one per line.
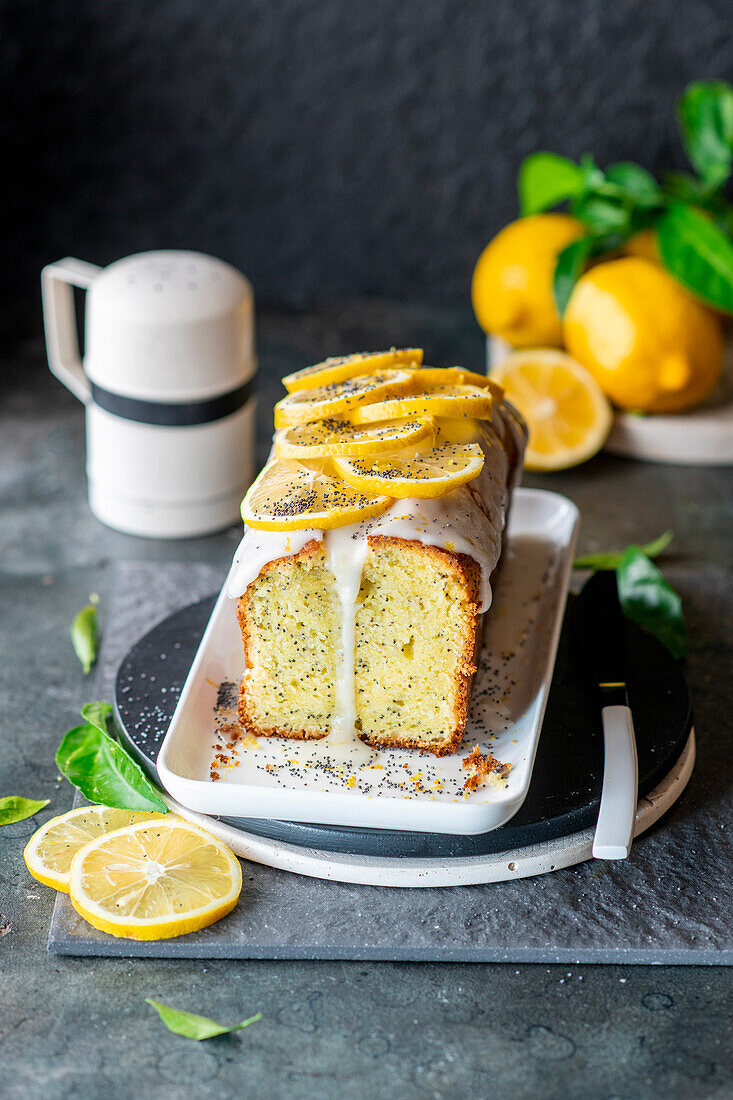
[14,808]
[192,1026]
[689,213]
[645,596]
[101,769]
[85,636]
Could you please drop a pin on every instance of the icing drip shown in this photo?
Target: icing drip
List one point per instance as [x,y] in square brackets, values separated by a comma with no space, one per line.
[346,548]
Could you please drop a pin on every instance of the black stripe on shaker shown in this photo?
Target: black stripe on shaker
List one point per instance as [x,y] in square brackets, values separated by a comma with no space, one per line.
[173,415]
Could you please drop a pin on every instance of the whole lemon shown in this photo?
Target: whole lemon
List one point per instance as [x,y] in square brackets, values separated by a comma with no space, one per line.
[512,282]
[649,345]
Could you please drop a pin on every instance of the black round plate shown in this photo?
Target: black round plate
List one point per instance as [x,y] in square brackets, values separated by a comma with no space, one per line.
[564,794]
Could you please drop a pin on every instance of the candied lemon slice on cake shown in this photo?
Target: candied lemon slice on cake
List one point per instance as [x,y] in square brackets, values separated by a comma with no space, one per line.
[450,401]
[566,411]
[341,398]
[340,368]
[155,879]
[340,437]
[414,475]
[49,852]
[292,494]
[428,377]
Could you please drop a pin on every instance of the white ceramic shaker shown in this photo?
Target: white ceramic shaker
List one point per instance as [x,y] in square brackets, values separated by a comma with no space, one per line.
[167,383]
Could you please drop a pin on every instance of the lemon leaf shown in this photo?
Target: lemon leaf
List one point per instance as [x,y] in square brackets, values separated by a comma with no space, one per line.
[698,254]
[650,601]
[568,269]
[192,1026]
[103,770]
[545,179]
[85,636]
[14,808]
[610,559]
[96,715]
[705,115]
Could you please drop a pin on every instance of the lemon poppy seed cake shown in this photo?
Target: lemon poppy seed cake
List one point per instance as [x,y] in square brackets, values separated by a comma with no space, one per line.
[371,539]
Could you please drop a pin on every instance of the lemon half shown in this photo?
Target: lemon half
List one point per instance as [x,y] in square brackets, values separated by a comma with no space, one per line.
[567,414]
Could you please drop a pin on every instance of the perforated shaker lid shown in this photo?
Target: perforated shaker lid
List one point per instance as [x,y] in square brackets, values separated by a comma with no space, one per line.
[170,326]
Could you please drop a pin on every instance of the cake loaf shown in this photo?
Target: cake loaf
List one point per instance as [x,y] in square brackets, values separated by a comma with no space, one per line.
[370,629]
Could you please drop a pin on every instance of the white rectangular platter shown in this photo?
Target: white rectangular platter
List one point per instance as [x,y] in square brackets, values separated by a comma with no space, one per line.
[209,765]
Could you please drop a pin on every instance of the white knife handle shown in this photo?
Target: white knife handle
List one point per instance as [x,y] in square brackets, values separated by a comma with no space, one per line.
[615,827]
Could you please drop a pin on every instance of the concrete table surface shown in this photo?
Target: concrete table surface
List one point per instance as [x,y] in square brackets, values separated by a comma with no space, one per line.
[80,1026]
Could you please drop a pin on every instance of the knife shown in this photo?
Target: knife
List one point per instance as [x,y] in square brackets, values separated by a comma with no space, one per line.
[603,636]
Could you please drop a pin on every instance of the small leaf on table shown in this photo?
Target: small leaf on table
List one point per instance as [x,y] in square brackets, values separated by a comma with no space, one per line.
[650,601]
[85,636]
[102,769]
[14,808]
[192,1026]
[610,559]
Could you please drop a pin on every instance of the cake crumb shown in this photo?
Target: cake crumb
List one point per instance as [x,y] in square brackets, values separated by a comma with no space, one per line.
[481,766]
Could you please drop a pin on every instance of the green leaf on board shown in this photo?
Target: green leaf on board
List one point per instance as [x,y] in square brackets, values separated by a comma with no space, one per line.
[610,559]
[103,770]
[545,179]
[569,267]
[96,715]
[705,114]
[192,1026]
[85,636]
[14,808]
[698,254]
[650,601]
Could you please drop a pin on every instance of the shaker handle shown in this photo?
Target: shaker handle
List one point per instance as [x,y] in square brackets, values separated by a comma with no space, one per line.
[62,340]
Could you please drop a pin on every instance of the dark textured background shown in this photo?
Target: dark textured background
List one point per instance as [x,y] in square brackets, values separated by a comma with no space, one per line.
[332,149]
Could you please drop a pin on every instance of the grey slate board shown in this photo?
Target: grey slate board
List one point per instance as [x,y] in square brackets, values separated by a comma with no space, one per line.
[671,902]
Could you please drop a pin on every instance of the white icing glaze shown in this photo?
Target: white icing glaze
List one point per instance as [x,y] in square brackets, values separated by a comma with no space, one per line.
[346,549]
[470,520]
[257,549]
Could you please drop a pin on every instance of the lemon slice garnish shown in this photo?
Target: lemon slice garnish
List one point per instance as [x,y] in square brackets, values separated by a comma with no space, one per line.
[566,412]
[292,494]
[414,475]
[340,437]
[49,852]
[451,401]
[154,879]
[341,398]
[428,377]
[347,366]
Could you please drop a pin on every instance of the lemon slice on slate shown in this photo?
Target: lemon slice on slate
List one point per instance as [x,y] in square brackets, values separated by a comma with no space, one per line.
[449,401]
[292,494]
[340,437]
[348,366]
[568,416]
[154,880]
[414,475]
[49,852]
[341,398]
